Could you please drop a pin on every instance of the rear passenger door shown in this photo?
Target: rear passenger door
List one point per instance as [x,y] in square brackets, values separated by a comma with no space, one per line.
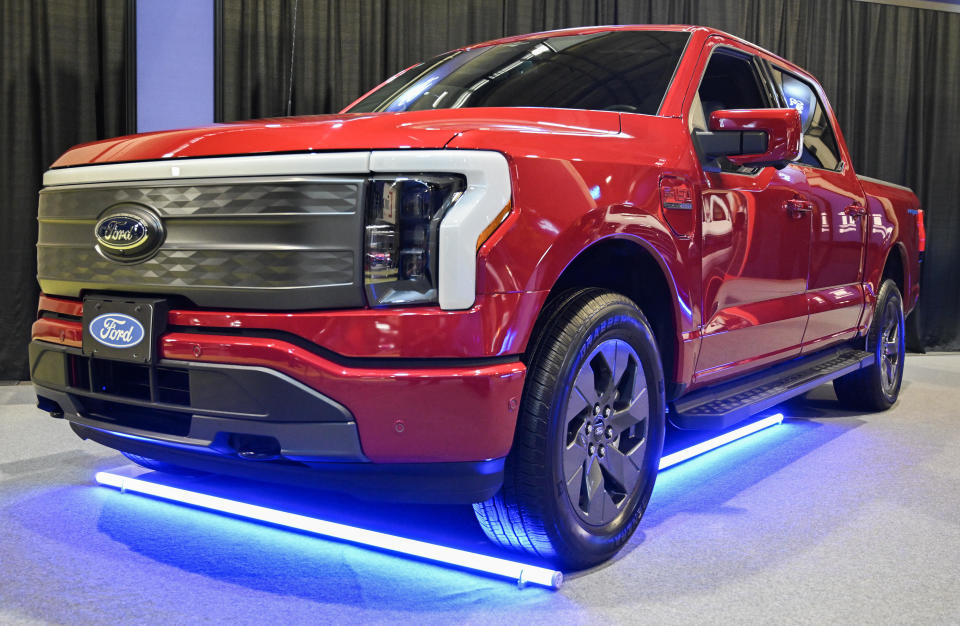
[834,285]
[754,251]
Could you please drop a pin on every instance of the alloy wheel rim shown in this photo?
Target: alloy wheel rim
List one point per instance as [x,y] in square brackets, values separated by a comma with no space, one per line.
[891,346]
[605,432]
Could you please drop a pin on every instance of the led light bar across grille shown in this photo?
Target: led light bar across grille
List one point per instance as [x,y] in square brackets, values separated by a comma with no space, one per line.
[522,573]
[688,453]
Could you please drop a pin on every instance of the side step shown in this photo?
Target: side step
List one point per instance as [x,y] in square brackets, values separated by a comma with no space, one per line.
[726,404]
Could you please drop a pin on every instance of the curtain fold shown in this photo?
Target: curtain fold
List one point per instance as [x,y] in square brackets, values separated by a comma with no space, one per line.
[62,72]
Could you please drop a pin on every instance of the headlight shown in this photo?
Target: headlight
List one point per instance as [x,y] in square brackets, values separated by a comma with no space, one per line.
[402,233]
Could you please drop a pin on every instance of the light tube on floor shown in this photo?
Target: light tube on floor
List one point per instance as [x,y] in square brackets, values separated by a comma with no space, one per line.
[522,573]
[688,453]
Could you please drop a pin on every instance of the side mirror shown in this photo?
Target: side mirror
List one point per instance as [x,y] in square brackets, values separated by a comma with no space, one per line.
[754,137]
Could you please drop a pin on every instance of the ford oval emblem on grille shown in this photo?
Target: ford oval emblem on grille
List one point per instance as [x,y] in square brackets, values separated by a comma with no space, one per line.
[121,232]
[128,232]
[116,330]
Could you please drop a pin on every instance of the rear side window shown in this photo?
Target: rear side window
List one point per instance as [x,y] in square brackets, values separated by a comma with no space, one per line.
[819,142]
[608,71]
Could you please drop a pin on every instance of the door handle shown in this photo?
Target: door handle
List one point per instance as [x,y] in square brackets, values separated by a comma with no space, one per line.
[855,210]
[797,207]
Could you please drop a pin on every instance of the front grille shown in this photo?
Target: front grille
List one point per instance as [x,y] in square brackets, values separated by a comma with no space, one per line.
[189,269]
[239,197]
[261,243]
[169,385]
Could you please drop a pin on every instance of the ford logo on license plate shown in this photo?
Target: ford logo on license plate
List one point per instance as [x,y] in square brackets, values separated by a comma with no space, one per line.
[116,330]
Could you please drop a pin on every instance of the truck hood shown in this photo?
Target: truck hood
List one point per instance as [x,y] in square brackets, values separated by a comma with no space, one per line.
[352,131]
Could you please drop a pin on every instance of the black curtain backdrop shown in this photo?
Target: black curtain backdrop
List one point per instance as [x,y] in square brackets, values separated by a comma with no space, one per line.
[892,75]
[62,71]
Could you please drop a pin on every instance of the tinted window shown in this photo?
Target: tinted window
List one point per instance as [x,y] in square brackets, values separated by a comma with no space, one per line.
[730,81]
[611,71]
[819,143]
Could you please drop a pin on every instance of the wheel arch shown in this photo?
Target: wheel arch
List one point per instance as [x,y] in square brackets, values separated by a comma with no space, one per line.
[895,267]
[650,284]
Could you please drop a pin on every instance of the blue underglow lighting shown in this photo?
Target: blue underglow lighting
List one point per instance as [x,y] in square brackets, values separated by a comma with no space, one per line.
[711,444]
[522,573]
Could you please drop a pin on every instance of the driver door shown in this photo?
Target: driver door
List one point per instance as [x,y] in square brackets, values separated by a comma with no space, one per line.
[755,244]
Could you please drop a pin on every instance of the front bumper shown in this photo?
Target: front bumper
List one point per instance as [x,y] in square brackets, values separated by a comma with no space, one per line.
[271,407]
[445,483]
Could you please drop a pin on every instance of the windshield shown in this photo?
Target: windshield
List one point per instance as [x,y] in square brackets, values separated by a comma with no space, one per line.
[608,71]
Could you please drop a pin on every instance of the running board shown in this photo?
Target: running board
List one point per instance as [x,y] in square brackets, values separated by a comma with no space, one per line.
[726,404]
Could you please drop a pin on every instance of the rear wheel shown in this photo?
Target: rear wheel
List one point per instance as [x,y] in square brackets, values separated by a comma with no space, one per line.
[876,388]
[589,435]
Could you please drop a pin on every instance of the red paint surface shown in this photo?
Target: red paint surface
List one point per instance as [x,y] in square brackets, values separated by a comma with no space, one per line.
[63,306]
[415,332]
[782,126]
[58,331]
[492,327]
[451,414]
[338,132]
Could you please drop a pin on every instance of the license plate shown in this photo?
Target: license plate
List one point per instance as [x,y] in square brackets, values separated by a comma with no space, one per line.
[123,329]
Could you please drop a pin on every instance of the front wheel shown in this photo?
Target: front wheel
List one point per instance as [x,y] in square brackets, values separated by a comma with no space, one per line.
[589,434]
[876,388]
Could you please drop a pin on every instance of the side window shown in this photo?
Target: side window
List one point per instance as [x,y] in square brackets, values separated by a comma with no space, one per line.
[730,81]
[819,142]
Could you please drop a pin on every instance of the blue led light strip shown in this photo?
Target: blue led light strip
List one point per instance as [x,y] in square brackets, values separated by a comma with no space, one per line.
[722,440]
[522,573]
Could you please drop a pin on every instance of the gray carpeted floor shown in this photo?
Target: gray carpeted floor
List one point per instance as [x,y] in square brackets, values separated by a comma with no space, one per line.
[830,517]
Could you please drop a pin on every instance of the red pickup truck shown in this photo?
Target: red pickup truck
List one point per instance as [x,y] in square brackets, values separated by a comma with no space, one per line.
[494,279]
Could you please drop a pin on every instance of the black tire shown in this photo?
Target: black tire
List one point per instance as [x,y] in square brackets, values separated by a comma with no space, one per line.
[877,387]
[535,511]
[161,466]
